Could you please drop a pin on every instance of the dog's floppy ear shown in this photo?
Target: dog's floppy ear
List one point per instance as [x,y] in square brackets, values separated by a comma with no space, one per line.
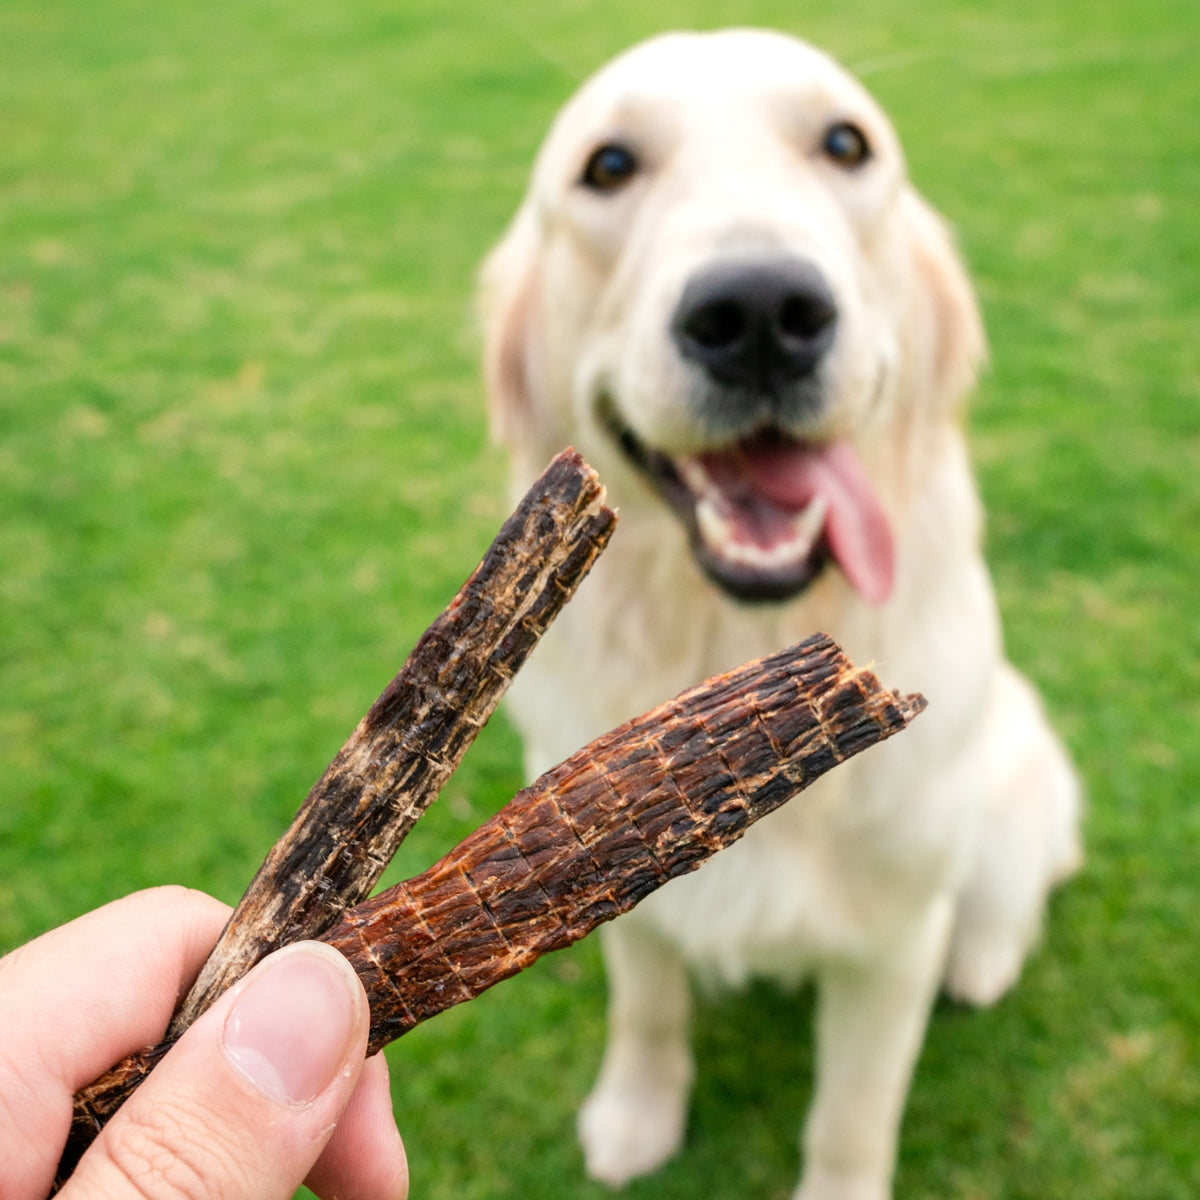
[946,322]
[509,297]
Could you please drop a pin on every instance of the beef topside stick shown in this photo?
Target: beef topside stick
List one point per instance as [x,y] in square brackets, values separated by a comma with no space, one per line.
[645,803]
[414,736]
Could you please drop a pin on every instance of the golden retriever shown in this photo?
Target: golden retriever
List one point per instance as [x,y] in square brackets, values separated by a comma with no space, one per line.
[724,291]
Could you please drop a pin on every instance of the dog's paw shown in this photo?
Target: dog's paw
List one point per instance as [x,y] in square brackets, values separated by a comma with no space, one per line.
[627,1133]
[981,969]
[819,1184]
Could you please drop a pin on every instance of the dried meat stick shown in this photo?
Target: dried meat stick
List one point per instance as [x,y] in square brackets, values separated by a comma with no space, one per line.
[639,806]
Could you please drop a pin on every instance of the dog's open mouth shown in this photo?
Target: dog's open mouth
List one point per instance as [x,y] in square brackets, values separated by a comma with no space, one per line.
[768,512]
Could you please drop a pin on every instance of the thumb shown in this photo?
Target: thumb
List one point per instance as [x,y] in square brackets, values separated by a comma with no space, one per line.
[243,1105]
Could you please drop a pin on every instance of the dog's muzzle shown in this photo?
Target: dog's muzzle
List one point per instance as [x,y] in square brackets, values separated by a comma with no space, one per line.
[765,508]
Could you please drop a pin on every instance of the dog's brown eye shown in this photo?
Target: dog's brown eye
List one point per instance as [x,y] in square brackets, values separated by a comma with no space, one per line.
[609,168]
[846,144]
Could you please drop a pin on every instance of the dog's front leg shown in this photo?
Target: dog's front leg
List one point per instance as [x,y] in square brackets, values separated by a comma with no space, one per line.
[871,1019]
[634,1119]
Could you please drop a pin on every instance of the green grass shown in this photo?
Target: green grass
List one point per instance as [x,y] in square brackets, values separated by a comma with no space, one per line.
[243,463]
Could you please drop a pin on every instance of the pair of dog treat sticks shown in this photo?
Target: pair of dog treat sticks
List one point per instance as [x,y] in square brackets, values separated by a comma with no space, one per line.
[646,802]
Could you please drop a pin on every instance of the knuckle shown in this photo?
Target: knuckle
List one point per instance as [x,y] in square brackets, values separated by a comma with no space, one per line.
[166,1152]
[171,895]
[182,901]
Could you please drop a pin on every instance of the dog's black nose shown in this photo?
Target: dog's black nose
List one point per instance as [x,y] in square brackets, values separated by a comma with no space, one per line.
[757,324]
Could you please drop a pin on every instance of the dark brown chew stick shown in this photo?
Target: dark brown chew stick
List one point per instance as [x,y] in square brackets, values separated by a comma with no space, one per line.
[589,839]
[409,743]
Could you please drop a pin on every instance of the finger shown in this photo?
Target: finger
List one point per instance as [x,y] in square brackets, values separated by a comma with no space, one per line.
[364,1159]
[78,999]
[243,1105]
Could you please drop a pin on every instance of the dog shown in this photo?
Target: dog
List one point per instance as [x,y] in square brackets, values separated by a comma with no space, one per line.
[722,288]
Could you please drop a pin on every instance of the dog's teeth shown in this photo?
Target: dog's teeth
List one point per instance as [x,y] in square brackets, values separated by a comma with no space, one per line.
[760,558]
[694,476]
[713,524]
[716,527]
[810,523]
[750,555]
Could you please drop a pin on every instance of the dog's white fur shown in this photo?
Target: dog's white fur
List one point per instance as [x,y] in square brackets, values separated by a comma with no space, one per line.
[922,863]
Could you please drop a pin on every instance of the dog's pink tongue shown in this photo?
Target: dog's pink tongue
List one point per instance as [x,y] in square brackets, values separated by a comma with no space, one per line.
[790,475]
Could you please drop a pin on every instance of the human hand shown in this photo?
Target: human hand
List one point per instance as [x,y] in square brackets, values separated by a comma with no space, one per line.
[268,1089]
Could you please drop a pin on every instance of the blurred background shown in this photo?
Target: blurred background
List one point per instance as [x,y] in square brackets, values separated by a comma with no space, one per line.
[243,463]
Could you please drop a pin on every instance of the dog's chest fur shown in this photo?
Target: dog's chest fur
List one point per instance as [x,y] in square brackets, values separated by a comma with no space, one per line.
[824,874]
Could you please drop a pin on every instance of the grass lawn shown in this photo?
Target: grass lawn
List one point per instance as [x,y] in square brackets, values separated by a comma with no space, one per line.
[243,464]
